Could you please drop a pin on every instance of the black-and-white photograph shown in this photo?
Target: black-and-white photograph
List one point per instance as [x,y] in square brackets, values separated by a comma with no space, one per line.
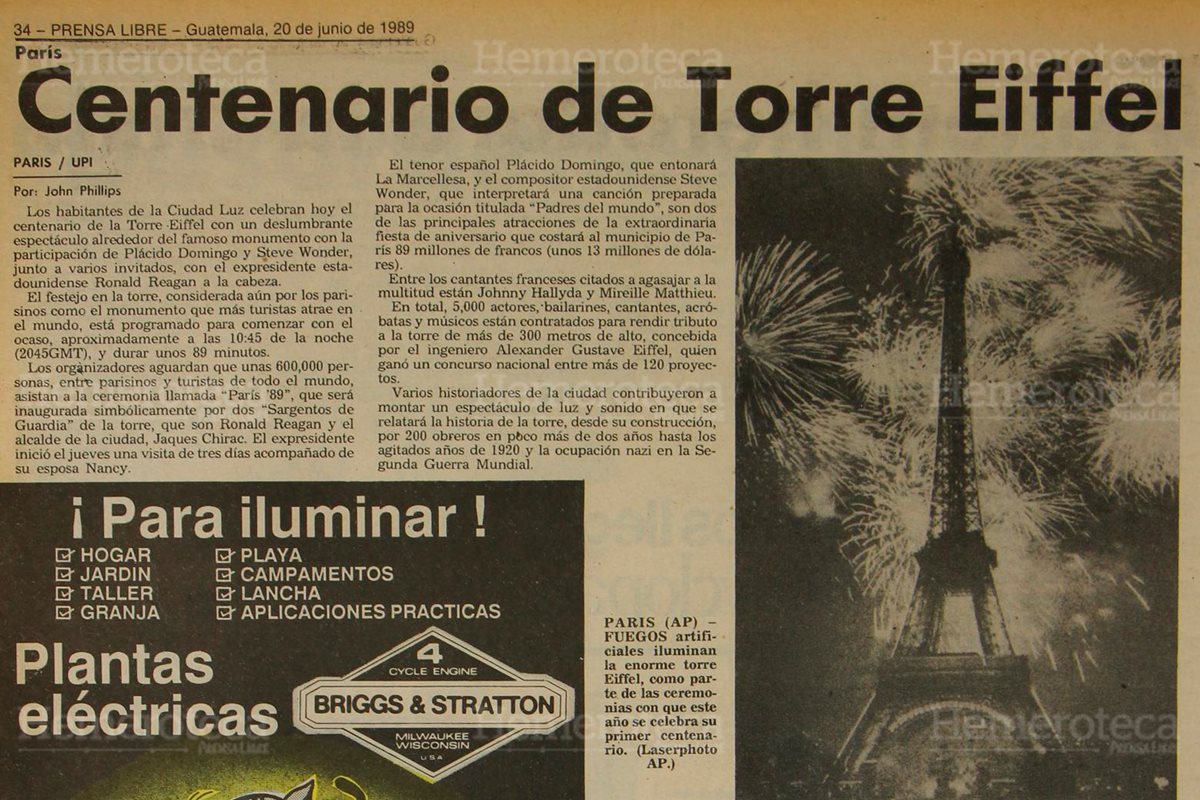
[957,477]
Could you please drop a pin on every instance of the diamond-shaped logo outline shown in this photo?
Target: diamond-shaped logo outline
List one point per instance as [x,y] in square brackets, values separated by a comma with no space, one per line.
[565,692]
[446,638]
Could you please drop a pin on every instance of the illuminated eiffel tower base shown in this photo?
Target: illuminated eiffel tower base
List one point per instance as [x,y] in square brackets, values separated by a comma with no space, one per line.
[954,714]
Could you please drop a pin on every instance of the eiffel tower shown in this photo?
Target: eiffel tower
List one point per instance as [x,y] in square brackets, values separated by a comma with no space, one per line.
[954,713]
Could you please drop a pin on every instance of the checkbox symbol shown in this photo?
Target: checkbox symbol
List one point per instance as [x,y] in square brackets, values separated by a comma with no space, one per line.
[63,574]
[62,612]
[224,613]
[224,594]
[63,555]
[224,575]
[62,593]
[224,555]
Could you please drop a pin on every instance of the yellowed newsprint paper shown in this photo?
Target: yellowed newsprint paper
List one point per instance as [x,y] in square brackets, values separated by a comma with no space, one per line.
[611,401]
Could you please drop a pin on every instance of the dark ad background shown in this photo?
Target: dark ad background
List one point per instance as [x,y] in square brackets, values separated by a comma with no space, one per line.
[530,562]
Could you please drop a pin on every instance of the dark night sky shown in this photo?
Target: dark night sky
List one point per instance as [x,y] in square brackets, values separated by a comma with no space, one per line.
[806,654]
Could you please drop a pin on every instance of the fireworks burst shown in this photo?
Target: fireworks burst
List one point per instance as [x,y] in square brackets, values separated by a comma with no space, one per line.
[823,437]
[889,522]
[1051,210]
[1136,438]
[892,363]
[1087,313]
[886,526]
[1034,583]
[1026,526]
[848,404]
[1081,597]
[1016,513]
[790,332]
[1002,267]
[1127,212]
[1009,429]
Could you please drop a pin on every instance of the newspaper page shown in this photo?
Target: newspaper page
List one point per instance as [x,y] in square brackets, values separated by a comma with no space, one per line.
[672,400]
